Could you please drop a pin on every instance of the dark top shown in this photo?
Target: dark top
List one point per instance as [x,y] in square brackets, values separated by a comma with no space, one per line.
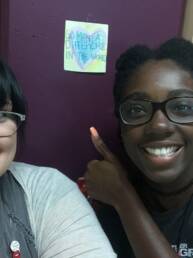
[14,220]
[176,225]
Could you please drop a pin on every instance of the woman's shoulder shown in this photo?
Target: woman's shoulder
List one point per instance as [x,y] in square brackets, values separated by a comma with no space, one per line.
[59,214]
[32,178]
[26,168]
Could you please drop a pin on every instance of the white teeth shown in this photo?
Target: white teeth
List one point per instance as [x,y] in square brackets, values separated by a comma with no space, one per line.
[163,151]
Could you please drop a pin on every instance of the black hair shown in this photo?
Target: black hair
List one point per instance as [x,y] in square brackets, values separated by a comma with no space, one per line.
[10,90]
[176,49]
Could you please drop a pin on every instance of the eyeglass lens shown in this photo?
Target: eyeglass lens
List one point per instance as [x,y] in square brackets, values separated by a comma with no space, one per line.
[8,124]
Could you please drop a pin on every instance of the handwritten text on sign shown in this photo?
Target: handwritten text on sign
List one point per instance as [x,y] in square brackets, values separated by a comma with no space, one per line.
[85,48]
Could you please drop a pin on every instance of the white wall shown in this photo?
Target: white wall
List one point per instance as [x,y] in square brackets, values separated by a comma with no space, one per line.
[187,30]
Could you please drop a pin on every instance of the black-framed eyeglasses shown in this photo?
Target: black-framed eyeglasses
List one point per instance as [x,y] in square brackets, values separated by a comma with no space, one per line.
[10,122]
[140,111]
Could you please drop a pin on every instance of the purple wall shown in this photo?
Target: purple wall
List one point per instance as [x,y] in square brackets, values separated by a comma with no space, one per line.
[63,105]
[4,28]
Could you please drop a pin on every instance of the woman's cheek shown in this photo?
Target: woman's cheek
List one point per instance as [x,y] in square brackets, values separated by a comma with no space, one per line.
[129,136]
[8,147]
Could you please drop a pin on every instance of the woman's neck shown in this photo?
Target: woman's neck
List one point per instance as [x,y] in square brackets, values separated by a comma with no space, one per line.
[160,200]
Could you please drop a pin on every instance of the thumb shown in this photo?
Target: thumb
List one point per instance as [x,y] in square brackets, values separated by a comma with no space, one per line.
[101,147]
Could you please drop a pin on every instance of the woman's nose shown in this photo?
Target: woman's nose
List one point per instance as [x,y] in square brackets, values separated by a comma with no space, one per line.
[159,124]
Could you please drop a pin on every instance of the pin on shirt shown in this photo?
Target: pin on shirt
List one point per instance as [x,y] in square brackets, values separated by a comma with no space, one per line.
[82,186]
[15,249]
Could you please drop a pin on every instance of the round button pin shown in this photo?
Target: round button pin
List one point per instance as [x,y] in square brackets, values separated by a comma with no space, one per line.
[15,246]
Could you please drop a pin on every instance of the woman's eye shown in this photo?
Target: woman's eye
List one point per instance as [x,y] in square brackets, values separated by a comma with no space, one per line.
[136,110]
[184,108]
[2,118]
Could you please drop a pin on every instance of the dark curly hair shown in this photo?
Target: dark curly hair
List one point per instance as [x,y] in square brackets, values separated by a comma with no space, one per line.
[176,49]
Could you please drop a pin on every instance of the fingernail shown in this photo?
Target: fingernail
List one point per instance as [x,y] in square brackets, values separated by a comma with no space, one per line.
[94,132]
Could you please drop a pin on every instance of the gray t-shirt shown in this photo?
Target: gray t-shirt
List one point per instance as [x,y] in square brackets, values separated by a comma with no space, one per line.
[63,223]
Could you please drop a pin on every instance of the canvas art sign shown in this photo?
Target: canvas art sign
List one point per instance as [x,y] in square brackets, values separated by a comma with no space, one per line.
[85,47]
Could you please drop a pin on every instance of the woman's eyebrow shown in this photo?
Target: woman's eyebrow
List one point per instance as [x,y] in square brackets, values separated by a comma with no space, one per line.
[180,92]
[138,95]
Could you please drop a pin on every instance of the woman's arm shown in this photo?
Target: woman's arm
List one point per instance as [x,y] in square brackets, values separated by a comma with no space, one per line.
[107,182]
[63,222]
[143,234]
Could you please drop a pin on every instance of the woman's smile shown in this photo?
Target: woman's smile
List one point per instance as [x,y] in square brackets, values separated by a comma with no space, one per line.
[162,154]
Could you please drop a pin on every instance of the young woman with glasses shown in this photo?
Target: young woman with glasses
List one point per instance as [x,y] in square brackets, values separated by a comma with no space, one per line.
[42,212]
[149,211]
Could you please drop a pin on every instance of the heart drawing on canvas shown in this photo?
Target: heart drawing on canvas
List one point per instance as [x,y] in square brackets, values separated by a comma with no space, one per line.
[86,47]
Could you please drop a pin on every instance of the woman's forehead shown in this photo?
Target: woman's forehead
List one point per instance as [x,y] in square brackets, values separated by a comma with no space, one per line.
[159,78]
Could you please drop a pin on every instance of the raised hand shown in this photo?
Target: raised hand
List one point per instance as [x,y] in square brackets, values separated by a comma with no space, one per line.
[105,179]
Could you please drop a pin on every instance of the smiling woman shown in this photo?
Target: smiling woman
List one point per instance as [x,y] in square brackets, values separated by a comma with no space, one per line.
[151,198]
[42,212]
[160,130]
